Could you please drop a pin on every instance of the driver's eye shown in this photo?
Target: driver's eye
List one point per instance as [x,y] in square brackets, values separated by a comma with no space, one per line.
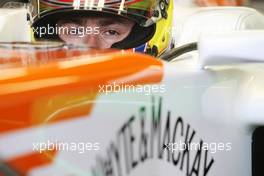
[111,32]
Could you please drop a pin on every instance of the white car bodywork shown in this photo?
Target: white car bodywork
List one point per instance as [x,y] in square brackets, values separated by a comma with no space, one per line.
[218,106]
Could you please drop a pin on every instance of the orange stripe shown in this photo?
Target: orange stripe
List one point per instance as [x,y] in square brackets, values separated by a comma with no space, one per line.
[220,2]
[24,164]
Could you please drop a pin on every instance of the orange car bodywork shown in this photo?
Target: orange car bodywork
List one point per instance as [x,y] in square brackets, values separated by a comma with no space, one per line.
[220,2]
[36,94]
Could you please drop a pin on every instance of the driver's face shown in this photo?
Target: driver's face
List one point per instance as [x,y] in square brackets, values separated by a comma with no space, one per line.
[97,32]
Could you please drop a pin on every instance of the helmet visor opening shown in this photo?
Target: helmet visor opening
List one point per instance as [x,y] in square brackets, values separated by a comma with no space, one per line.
[48,26]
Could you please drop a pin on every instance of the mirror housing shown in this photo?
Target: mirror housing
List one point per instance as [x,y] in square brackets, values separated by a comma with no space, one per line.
[229,48]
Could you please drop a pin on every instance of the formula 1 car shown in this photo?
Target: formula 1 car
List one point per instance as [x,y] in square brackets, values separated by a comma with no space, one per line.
[197,110]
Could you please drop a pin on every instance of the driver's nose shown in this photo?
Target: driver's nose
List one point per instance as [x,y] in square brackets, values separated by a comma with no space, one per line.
[92,41]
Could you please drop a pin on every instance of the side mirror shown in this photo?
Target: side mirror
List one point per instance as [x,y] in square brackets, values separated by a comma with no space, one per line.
[230,48]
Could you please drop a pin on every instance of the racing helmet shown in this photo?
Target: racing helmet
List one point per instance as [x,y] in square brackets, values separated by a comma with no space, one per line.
[152,18]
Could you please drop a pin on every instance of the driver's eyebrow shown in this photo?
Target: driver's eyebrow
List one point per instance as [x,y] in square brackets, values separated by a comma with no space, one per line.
[111,21]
